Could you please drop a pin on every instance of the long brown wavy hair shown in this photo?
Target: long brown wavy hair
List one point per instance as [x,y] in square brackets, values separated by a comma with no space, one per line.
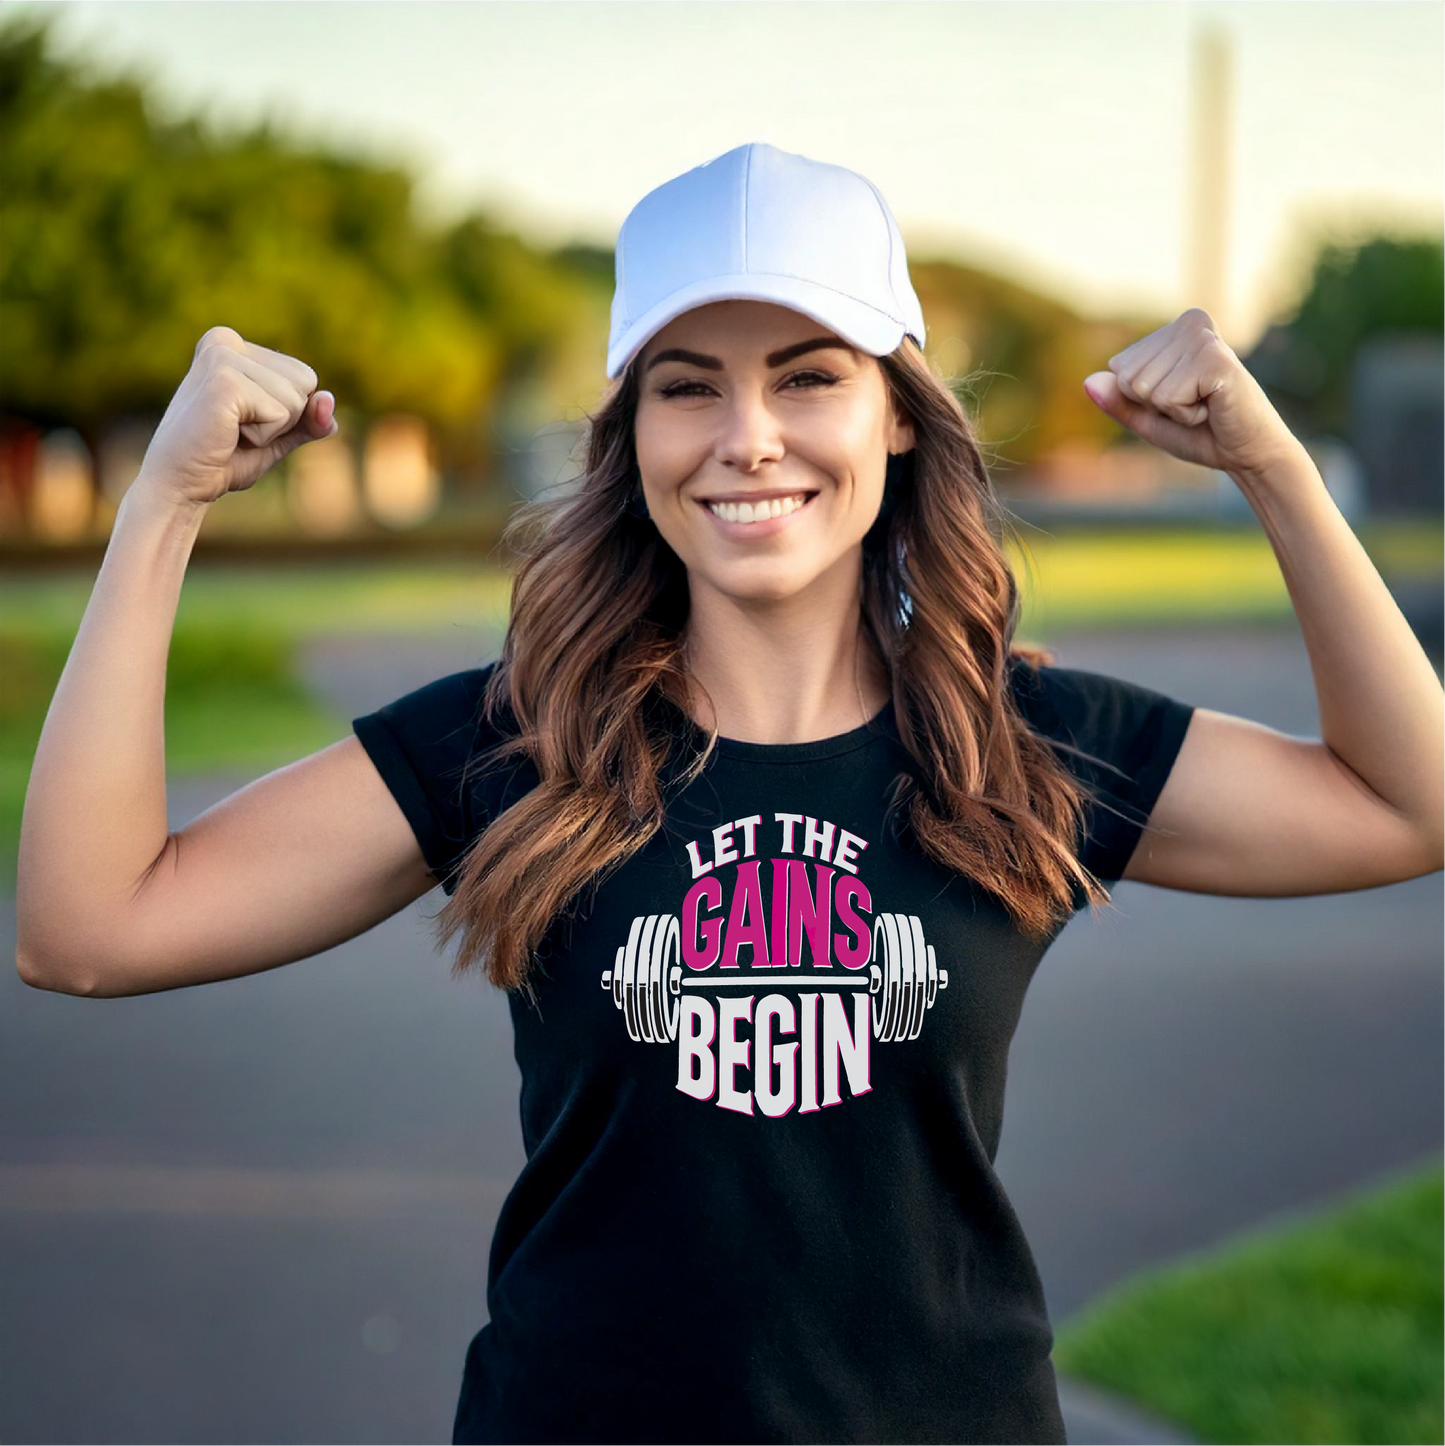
[598,611]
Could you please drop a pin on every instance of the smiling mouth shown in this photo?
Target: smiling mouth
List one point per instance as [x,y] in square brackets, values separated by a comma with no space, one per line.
[749,512]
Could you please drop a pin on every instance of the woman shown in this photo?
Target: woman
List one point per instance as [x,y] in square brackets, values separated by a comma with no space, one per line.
[760,818]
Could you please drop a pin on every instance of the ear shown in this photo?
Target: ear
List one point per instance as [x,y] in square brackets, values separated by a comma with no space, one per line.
[901,435]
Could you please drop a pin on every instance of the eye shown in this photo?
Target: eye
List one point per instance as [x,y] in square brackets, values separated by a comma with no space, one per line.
[692,389]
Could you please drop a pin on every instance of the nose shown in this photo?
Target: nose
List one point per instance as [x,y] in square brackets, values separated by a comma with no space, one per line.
[748,433]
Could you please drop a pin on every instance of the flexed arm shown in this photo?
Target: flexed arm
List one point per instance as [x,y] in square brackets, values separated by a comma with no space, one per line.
[1247,809]
[108,901]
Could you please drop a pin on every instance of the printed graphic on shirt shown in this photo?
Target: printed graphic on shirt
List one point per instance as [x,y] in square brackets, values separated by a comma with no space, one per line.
[788,912]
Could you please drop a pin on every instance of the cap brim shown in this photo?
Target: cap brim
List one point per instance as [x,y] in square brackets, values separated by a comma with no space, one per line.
[859,324]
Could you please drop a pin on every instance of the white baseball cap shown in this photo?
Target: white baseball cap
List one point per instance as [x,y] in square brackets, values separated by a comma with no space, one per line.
[762,224]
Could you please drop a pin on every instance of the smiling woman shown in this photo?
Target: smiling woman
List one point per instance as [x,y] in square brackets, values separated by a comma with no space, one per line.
[763,822]
[763,809]
[761,716]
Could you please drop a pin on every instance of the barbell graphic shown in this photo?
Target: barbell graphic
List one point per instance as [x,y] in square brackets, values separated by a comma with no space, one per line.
[646,980]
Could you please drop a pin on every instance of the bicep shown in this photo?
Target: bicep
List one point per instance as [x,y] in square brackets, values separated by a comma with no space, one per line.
[294,863]
[1248,810]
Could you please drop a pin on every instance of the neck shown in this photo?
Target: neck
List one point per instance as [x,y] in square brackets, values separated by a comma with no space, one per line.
[782,671]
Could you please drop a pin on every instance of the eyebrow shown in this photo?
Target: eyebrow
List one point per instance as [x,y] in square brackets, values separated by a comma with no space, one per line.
[774,359]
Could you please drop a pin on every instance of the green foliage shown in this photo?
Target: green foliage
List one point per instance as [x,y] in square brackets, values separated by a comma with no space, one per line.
[124,237]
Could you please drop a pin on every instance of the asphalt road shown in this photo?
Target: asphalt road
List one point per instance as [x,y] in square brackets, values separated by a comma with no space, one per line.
[260,1211]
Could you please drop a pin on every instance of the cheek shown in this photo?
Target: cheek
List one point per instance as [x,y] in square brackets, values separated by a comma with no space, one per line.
[858,482]
[667,457]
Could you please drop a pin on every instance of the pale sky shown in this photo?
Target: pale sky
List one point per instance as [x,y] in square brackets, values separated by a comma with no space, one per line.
[1045,141]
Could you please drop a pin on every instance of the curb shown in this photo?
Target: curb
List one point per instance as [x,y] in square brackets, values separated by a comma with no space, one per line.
[1095,1417]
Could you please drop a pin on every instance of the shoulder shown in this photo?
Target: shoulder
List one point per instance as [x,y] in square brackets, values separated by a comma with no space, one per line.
[443,712]
[440,731]
[1119,737]
[1094,710]
[432,747]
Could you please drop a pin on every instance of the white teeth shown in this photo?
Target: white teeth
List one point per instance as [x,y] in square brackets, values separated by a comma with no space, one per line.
[756,512]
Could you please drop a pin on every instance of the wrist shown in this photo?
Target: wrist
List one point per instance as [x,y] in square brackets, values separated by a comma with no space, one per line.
[1288,466]
[157,500]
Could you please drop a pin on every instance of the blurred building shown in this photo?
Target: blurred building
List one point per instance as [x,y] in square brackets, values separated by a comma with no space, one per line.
[400,480]
[1397,421]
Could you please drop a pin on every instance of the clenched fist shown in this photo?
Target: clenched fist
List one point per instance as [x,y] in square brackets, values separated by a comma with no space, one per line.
[237,412]
[1183,389]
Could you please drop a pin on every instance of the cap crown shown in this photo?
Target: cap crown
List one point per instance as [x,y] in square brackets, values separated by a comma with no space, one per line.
[763,222]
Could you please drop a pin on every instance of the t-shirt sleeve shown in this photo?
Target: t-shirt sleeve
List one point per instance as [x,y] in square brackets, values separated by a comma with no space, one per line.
[1132,735]
[421,744]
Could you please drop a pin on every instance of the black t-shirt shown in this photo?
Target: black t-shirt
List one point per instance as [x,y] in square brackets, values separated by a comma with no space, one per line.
[700,1248]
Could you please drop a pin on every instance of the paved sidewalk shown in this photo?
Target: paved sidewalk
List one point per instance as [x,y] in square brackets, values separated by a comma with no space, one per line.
[1093,1417]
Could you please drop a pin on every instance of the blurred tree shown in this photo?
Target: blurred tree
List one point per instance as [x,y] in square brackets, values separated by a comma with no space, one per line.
[1357,290]
[1018,359]
[123,238]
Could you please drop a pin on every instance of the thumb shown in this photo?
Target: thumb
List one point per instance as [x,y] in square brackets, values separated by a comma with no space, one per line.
[320,415]
[318,420]
[1102,388]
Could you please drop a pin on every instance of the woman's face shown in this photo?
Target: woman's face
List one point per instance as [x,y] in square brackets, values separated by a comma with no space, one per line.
[747,401]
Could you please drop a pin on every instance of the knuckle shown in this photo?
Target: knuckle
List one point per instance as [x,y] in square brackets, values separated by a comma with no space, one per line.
[218,336]
[218,379]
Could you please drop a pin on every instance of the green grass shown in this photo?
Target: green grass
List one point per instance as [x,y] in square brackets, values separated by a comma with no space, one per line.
[1097,577]
[287,600]
[1088,581]
[1324,1329]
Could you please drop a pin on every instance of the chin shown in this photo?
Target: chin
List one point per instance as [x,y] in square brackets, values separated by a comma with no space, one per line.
[759,584]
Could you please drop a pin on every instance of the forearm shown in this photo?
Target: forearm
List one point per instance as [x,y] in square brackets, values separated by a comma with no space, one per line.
[95,807]
[1381,706]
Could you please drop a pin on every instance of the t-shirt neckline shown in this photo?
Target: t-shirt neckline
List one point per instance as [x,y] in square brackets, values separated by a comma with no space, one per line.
[808,752]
